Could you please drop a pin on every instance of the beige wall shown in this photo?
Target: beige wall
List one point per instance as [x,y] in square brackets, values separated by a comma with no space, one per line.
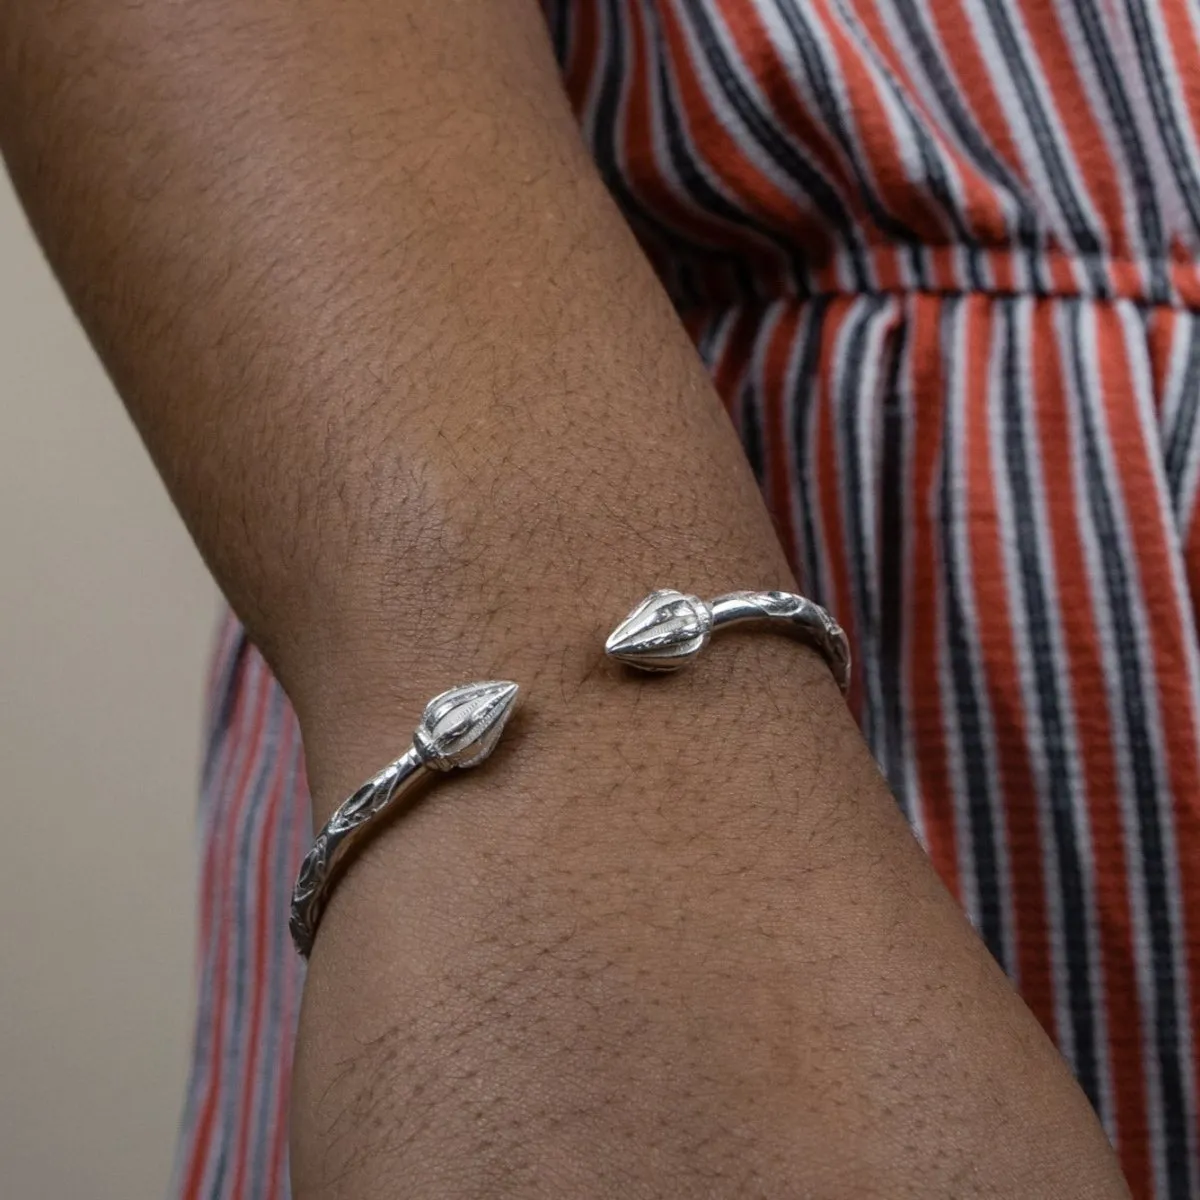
[105,618]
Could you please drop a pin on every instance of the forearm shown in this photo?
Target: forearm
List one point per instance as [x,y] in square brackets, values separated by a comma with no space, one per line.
[380,325]
[430,418]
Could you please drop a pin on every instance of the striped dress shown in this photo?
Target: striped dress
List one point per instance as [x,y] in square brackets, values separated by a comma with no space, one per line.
[942,259]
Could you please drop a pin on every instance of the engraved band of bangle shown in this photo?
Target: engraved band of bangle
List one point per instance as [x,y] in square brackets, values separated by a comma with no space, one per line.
[459,728]
[668,629]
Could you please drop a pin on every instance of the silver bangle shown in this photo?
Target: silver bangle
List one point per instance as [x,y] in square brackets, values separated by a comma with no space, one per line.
[459,728]
[668,629]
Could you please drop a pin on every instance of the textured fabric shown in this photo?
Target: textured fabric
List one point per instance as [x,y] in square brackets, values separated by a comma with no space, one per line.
[941,259]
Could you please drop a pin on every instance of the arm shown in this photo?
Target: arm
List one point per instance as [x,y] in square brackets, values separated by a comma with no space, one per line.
[416,391]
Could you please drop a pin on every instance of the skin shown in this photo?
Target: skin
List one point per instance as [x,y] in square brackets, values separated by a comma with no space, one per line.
[430,418]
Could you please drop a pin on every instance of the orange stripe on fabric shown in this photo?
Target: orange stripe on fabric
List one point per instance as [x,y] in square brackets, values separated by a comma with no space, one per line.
[1083,133]
[1094,737]
[1161,328]
[943,262]
[218,795]
[983,211]
[756,192]
[643,171]
[879,142]
[922,667]
[1062,274]
[208,868]
[263,967]
[963,57]
[221,890]
[774,77]
[1149,528]
[1189,856]
[990,584]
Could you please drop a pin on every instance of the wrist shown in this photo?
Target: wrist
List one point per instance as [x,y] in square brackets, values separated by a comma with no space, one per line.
[499,602]
[585,751]
[615,809]
[365,715]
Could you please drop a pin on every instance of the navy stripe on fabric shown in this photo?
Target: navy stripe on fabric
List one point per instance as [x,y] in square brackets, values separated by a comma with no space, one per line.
[1109,77]
[831,109]
[1119,588]
[894,518]
[961,638]
[1181,449]
[1154,72]
[808,349]
[847,401]
[1049,675]
[1083,234]
[789,161]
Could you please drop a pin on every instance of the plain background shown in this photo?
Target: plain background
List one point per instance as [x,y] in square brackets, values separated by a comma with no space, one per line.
[106,617]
